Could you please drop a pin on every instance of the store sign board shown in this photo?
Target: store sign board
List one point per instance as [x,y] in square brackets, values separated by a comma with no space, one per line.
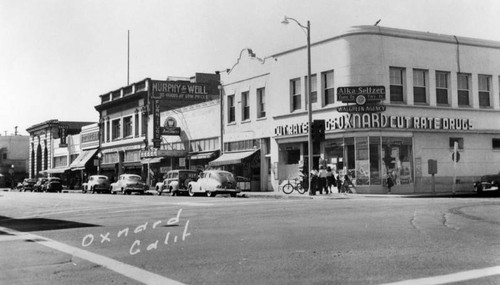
[63,133]
[183,91]
[377,120]
[358,94]
[150,153]
[170,131]
[369,108]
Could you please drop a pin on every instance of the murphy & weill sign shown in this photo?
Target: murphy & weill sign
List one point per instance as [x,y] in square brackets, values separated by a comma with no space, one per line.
[183,91]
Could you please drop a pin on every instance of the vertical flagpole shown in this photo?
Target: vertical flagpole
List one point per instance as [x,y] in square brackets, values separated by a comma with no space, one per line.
[128,57]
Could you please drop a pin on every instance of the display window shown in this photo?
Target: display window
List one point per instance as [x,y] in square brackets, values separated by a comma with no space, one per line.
[370,160]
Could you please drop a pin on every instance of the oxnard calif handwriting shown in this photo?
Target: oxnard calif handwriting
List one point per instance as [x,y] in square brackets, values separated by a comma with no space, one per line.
[135,248]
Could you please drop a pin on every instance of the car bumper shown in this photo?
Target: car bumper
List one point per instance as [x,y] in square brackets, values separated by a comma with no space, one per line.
[135,189]
[485,186]
[226,190]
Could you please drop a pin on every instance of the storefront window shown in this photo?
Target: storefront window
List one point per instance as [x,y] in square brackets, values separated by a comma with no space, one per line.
[350,157]
[397,159]
[368,160]
[334,154]
[375,161]
[362,162]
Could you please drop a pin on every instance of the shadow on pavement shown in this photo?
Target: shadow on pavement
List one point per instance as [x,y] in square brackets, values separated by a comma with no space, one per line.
[40,224]
[458,195]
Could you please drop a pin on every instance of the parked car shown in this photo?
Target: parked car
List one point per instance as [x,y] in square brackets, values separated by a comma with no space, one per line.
[128,183]
[489,182]
[28,184]
[53,184]
[38,187]
[213,182]
[96,183]
[176,181]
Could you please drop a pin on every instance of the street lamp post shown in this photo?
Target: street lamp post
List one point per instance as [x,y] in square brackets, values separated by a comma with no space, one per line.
[308,97]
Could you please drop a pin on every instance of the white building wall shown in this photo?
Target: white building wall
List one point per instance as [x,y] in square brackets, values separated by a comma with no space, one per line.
[363,56]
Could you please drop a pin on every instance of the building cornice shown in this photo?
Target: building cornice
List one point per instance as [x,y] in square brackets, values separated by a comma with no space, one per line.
[401,33]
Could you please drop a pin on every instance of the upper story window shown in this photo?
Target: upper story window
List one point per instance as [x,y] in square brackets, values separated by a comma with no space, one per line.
[296,98]
[127,126]
[314,88]
[245,106]
[327,87]
[230,109]
[261,102]
[419,86]
[397,84]
[484,86]
[136,124]
[463,86]
[108,130]
[442,86]
[115,129]
[144,127]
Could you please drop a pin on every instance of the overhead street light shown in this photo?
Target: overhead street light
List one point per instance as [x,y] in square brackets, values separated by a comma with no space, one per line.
[307,29]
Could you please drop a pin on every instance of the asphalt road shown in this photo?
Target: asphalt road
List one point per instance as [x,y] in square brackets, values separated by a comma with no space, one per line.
[66,238]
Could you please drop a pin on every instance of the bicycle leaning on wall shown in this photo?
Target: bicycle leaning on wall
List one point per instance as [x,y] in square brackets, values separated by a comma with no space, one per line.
[294,184]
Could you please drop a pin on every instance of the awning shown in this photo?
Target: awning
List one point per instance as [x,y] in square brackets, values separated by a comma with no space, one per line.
[82,159]
[202,155]
[151,160]
[231,158]
[57,170]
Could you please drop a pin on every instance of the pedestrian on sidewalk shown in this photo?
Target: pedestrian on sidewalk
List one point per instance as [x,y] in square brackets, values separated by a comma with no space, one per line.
[314,181]
[330,179]
[390,183]
[348,185]
[322,180]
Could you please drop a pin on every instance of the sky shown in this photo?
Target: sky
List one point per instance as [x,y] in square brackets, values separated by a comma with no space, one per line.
[58,56]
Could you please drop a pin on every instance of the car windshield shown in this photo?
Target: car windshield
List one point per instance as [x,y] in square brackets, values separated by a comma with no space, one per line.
[134,178]
[223,176]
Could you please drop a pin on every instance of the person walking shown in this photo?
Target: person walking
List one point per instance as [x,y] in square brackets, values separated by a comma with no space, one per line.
[390,183]
[330,179]
[314,181]
[322,180]
[348,185]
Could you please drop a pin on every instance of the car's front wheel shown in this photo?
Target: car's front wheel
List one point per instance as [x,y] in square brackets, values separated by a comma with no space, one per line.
[190,191]
[210,194]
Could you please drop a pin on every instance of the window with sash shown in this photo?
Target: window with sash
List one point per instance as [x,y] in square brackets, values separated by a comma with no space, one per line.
[396,84]
[115,124]
[419,86]
[484,86]
[327,86]
[463,85]
[230,109]
[442,87]
[245,106]
[295,94]
[261,102]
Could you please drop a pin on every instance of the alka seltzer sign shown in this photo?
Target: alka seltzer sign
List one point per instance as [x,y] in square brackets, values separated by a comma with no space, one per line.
[365,97]
[376,121]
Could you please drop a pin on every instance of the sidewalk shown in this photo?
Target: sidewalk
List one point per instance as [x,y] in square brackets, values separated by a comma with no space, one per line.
[296,195]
